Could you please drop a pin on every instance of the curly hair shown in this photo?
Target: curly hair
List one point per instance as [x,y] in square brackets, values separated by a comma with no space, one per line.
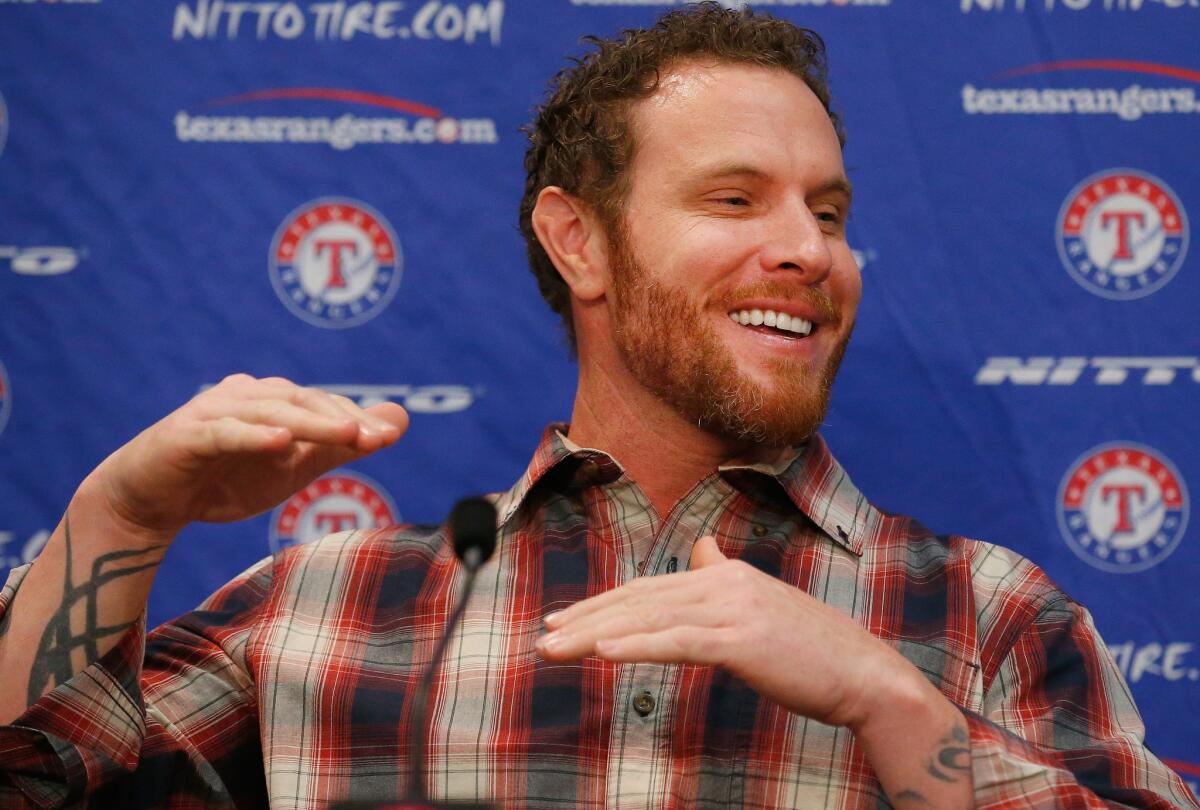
[580,138]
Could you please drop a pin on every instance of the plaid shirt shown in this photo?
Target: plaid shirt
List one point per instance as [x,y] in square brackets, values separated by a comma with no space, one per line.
[292,684]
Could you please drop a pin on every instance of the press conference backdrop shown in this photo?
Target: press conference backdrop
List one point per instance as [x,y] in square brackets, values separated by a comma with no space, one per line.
[327,191]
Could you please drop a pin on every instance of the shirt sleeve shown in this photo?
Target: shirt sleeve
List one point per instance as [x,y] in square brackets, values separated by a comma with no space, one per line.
[168,720]
[1059,728]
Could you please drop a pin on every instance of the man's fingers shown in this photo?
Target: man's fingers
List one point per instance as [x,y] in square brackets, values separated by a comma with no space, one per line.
[373,423]
[678,645]
[228,435]
[682,586]
[578,638]
[705,553]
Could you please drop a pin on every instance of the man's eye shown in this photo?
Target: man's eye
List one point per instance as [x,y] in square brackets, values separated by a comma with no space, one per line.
[734,201]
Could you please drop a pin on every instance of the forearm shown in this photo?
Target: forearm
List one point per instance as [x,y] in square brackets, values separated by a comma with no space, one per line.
[84,591]
[919,746]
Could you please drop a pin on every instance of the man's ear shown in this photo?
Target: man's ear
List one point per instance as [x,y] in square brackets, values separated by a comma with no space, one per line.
[574,239]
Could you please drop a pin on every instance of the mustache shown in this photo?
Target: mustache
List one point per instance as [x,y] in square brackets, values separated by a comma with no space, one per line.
[819,300]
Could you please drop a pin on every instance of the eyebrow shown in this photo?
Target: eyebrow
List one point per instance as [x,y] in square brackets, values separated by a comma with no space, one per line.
[838,185]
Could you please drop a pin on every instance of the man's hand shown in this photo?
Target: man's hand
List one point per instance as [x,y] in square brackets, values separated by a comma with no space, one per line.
[787,646]
[806,656]
[236,450]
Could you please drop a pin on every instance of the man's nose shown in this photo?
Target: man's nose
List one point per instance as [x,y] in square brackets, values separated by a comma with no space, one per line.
[798,245]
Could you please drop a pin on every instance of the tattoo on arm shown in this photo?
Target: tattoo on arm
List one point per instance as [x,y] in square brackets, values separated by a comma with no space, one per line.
[953,758]
[911,797]
[61,643]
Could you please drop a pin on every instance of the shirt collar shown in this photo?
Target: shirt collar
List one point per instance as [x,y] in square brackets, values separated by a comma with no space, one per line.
[812,478]
[820,488]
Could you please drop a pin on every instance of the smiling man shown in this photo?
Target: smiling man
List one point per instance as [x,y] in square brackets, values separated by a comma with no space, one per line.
[690,605]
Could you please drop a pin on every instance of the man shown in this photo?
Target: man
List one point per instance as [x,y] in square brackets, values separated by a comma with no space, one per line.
[685,211]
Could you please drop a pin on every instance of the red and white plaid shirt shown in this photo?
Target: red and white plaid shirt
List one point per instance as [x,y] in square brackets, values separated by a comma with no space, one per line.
[292,684]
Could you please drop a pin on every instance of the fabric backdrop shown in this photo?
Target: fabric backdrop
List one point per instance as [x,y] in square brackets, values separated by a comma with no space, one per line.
[327,190]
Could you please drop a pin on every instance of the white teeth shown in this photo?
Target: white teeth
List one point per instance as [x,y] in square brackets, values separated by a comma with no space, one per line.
[769,317]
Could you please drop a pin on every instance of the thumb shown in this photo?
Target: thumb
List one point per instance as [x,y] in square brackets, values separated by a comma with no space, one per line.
[706,553]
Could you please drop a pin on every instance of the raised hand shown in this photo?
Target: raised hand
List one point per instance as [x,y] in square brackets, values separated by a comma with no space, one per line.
[236,450]
[790,648]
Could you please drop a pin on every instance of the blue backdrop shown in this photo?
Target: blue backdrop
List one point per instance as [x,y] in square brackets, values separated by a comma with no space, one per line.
[327,191]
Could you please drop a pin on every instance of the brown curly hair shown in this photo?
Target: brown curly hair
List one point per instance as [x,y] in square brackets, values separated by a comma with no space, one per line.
[580,139]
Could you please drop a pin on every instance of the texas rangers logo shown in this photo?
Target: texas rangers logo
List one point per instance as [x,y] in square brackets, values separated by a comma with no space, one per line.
[1122,234]
[337,502]
[5,399]
[1122,507]
[335,263]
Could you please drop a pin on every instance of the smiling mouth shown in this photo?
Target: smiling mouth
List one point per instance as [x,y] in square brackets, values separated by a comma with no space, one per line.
[769,321]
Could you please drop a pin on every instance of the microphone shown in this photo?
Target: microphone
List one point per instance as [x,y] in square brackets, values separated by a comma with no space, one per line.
[473,533]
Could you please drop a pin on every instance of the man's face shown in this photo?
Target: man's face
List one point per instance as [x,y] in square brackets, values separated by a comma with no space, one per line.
[737,208]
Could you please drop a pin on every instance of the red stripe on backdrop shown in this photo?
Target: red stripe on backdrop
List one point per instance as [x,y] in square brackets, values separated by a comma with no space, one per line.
[331,94]
[1183,767]
[1152,68]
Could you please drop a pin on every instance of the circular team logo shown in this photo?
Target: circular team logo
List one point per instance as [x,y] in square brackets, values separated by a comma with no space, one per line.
[1122,507]
[1122,234]
[5,398]
[335,263]
[337,502]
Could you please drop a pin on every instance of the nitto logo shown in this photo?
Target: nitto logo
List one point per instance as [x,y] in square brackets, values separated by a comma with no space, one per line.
[1097,370]
[422,399]
[1166,661]
[335,263]
[41,260]
[1122,234]
[340,21]
[1122,507]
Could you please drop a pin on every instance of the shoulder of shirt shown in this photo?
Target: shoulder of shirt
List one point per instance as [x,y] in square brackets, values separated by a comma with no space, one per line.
[421,542]
[993,568]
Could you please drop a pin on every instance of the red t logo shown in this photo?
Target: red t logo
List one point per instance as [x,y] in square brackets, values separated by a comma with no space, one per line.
[336,246]
[1124,493]
[336,521]
[1123,218]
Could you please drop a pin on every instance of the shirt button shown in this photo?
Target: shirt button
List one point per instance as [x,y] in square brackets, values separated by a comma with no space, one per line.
[759,530]
[642,567]
[643,703]
[577,508]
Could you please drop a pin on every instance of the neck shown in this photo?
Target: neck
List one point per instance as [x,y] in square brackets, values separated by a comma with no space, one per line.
[659,449]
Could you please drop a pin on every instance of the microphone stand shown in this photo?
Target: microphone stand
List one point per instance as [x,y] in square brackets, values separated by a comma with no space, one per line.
[473,528]
[472,559]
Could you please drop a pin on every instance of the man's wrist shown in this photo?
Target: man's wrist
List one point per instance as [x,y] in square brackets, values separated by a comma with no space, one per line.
[92,506]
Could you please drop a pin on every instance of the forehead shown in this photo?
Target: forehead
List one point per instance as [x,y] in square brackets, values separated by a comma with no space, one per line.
[714,113]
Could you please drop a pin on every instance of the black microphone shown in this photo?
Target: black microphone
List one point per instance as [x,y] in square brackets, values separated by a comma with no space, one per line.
[473,532]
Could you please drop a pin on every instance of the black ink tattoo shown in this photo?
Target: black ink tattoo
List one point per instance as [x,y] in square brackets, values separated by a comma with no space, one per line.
[953,759]
[53,664]
[911,796]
